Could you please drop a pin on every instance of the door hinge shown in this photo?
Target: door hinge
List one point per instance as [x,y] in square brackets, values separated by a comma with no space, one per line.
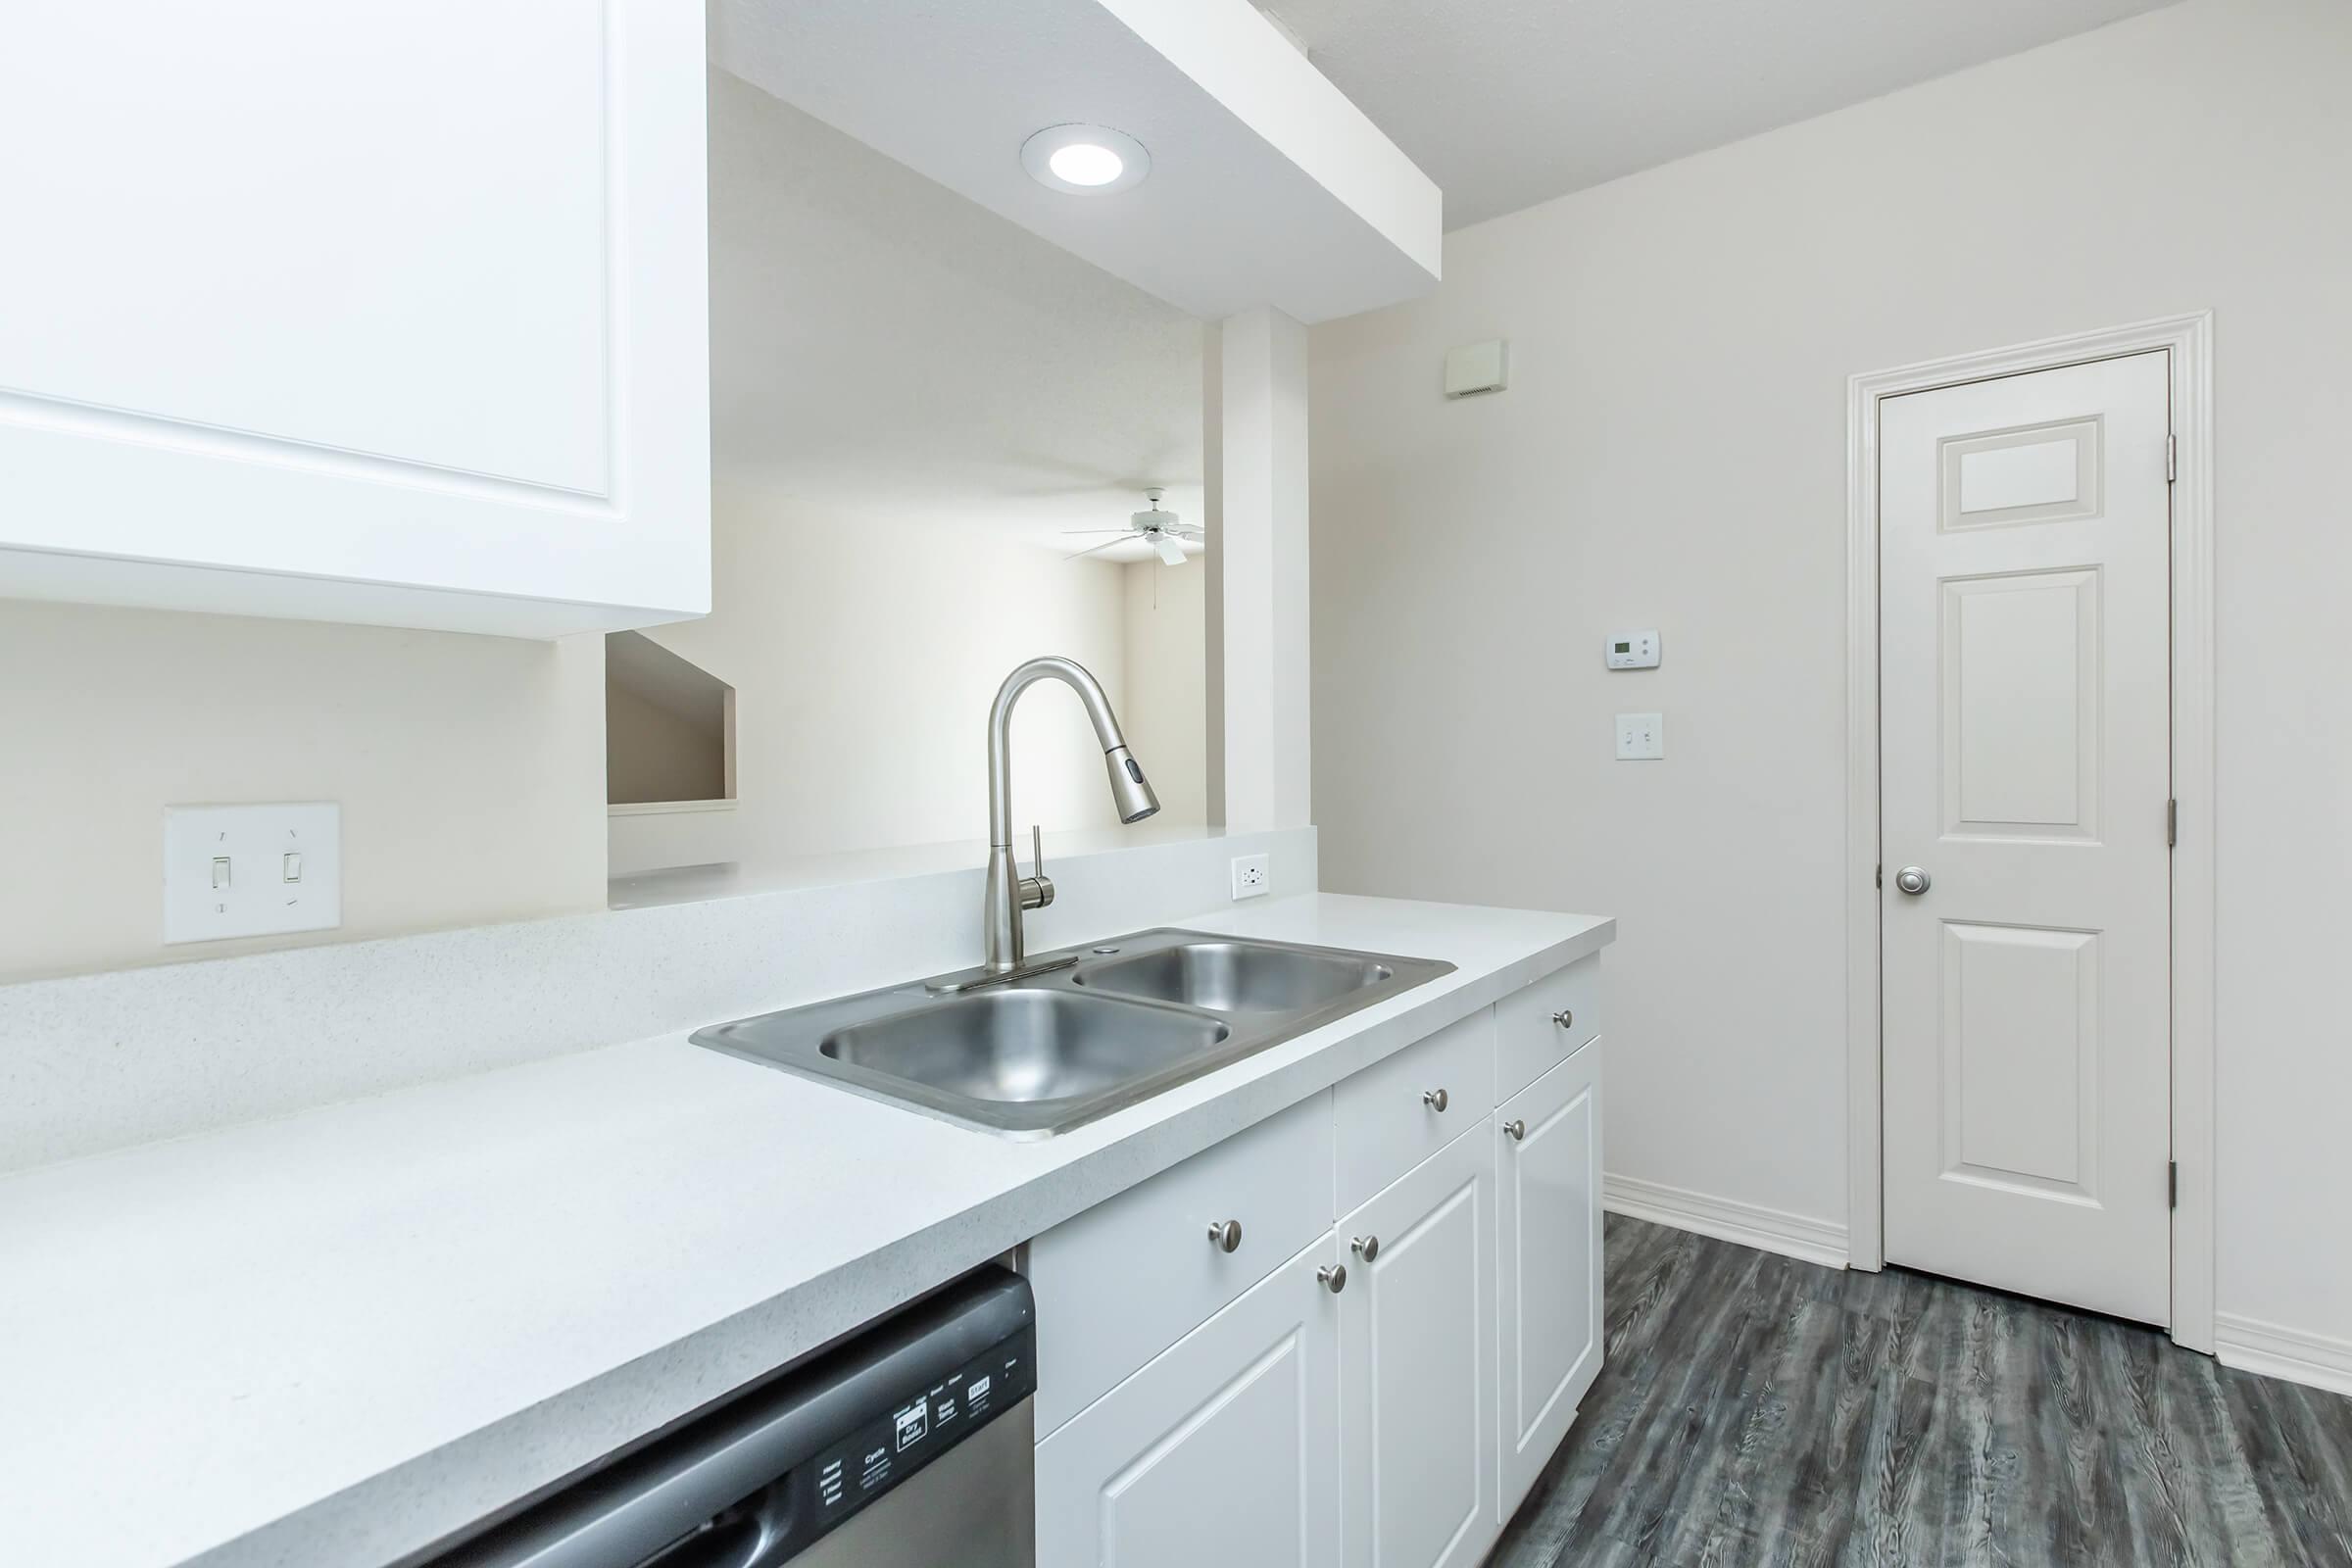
[2171,459]
[2172,1185]
[2172,824]
[1878,876]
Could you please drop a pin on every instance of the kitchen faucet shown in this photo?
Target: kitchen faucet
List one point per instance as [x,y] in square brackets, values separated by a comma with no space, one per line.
[1008,891]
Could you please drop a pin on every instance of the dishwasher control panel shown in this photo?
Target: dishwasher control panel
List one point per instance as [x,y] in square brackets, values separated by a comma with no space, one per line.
[931,1420]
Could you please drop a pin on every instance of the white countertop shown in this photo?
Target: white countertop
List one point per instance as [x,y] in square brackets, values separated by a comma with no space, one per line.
[332,1337]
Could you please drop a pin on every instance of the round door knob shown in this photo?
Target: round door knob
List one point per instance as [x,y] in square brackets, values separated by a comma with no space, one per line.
[1225,1234]
[1517,1130]
[1435,1099]
[1914,880]
[1366,1247]
[1564,1018]
[1334,1277]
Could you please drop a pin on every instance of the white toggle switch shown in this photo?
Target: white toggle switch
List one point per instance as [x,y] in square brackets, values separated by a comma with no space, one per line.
[1641,737]
[204,903]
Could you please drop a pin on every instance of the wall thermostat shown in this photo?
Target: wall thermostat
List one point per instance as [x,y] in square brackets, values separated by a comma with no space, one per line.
[1633,650]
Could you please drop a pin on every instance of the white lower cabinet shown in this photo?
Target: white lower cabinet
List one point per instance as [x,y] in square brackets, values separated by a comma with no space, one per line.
[1418,1433]
[1547,1263]
[1223,1451]
[1387,1397]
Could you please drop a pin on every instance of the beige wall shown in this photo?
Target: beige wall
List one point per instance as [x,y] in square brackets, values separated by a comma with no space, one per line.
[1671,453]
[652,753]
[1166,711]
[470,770]
[863,660]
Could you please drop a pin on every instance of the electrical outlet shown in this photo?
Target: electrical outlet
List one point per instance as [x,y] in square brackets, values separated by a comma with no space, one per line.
[1251,874]
[1641,737]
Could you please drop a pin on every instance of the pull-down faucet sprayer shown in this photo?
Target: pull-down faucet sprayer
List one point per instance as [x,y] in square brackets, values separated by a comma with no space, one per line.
[1008,891]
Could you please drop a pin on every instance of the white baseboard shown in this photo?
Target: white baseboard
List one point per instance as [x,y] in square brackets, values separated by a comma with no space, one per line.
[1772,1230]
[2276,1351]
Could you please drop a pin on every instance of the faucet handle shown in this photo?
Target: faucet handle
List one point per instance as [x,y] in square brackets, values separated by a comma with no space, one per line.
[1037,890]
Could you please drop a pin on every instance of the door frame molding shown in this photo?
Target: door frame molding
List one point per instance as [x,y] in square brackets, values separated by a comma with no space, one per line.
[2189,338]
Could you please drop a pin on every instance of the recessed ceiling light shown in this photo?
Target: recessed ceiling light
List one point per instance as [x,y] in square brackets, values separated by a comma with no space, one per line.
[1085,160]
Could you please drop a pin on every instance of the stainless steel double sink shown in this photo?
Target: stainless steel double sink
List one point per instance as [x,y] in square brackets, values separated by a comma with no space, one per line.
[1084,1031]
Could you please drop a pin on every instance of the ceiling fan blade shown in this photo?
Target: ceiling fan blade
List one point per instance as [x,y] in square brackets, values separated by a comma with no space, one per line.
[1182,532]
[1091,548]
[1097,530]
[1169,550]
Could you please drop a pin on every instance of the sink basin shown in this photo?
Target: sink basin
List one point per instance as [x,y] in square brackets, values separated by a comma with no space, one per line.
[1238,976]
[1077,1033]
[1024,1045]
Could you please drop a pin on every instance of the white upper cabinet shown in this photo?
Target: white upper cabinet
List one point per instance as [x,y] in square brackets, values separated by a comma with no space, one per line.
[375,313]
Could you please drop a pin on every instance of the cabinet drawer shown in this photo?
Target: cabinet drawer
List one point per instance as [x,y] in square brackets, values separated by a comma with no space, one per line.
[1388,1118]
[1528,1040]
[1122,1281]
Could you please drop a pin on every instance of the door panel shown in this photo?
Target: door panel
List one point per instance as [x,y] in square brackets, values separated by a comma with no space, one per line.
[2021,704]
[1417,1366]
[1222,1450]
[2020,1053]
[1547,1263]
[2026,763]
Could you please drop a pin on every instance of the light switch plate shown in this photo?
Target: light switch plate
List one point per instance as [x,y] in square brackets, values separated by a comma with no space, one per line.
[252,870]
[1641,737]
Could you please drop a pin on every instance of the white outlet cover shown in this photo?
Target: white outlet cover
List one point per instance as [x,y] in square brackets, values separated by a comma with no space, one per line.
[1253,876]
[1641,737]
[227,871]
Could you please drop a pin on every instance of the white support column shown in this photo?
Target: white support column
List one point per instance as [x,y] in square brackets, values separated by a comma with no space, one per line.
[1256,427]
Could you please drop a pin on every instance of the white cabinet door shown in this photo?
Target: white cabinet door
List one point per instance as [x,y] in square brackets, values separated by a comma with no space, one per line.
[1547,1262]
[1417,1434]
[373,312]
[1222,1452]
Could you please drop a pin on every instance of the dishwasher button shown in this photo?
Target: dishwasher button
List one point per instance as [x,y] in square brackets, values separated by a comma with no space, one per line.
[913,1424]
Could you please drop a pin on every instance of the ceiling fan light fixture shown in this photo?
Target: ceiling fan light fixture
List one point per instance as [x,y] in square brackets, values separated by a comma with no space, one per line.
[1085,160]
[1169,549]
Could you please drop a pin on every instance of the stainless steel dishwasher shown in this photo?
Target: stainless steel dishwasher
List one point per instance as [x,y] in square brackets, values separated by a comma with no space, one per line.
[907,1445]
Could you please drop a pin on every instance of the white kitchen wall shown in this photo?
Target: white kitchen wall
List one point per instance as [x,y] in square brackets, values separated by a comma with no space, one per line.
[470,770]
[1166,711]
[863,661]
[1671,453]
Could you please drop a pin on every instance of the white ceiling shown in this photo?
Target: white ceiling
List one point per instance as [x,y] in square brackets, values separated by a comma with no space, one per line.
[1506,103]
[888,353]
[1266,188]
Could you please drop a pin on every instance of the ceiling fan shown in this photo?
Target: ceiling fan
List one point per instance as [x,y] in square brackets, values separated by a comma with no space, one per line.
[1159,529]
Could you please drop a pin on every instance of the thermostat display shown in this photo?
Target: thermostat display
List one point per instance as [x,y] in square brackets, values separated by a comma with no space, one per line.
[1633,650]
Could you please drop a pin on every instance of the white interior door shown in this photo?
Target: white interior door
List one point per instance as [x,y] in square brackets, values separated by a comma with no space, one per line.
[2025,773]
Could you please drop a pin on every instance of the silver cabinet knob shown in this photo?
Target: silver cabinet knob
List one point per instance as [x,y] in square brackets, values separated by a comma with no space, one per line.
[1366,1247]
[1434,1098]
[1914,880]
[1517,1130]
[1564,1018]
[1225,1234]
[1334,1277]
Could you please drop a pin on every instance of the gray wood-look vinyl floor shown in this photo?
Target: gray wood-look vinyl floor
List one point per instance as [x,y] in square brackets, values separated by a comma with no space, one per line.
[1760,1410]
